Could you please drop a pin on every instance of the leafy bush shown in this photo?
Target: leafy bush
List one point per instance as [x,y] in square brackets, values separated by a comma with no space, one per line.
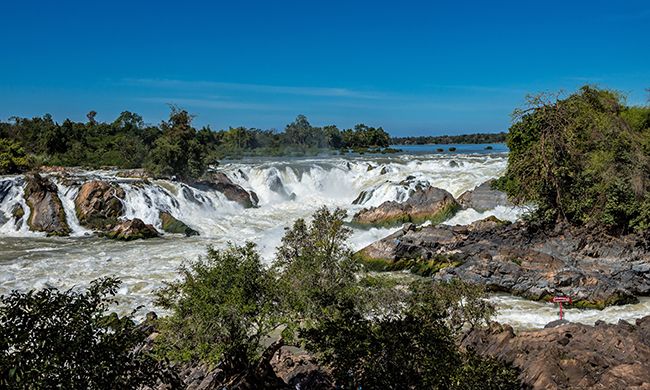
[583,159]
[67,340]
[221,310]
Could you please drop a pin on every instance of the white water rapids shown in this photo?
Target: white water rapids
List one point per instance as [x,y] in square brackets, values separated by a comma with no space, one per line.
[287,189]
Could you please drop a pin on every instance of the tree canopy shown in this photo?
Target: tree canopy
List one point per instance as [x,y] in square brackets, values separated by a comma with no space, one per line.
[584,159]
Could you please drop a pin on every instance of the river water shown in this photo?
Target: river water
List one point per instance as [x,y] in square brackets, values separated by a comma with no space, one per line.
[287,189]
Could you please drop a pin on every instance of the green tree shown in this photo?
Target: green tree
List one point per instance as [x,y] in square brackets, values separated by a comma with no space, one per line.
[12,157]
[581,159]
[67,340]
[177,152]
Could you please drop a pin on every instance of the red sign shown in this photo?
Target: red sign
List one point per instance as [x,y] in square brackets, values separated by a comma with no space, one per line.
[562,299]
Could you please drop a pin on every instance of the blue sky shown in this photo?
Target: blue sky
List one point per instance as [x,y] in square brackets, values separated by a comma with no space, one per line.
[413,67]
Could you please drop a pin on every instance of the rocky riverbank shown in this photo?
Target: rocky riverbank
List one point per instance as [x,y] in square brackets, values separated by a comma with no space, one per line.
[593,268]
[572,356]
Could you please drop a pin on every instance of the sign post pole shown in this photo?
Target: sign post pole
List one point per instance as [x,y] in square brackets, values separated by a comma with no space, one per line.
[562,299]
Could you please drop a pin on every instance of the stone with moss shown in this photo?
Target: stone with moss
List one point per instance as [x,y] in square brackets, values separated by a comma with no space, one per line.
[172,225]
[132,229]
[425,204]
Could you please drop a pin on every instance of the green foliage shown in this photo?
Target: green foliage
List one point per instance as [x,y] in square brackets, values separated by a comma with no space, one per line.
[411,349]
[583,159]
[12,157]
[53,339]
[177,152]
[316,266]
[221,309]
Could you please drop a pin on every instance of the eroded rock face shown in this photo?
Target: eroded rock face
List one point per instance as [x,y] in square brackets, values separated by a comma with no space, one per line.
[132,229]
[484,198]
[99,204]
[172,225]
[573,356]
[218,181]
[47,213]
[425,203]
[595,269]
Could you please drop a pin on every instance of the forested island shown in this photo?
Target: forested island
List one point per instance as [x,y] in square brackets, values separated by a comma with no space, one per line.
[475,138]
[582,162]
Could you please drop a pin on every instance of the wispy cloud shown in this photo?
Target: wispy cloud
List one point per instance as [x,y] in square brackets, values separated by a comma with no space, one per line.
[211,103]
[479,88]
[215,86]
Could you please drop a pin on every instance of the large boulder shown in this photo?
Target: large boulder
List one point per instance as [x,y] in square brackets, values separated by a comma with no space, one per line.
[132,229]
[218,181]
[99,204]
[172,225]
[46,210]
[426,203]
[572,356]
[484,197]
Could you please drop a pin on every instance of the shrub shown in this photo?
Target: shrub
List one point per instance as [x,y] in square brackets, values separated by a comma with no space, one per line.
[67,340]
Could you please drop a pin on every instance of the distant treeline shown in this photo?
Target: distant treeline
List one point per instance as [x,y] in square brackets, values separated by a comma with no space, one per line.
[174,147]
[479,138]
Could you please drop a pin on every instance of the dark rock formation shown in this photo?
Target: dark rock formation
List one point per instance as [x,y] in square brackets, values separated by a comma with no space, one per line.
[173,225]
[218,181]
[99,204]
[132,229]
[484,198]
[425,203]
[17,213]
[46,211]
[595,269]
[572,356]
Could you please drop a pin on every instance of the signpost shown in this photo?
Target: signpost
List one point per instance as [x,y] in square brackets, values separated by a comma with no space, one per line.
[561,300]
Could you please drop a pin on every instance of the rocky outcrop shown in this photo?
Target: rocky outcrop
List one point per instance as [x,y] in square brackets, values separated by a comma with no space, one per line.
[17,213]
[99,204]
[132,229]
[173,225]
[572,356]
[218,181]
[301,371]
[595,269]
[425,203]
[46,211]
[484,198]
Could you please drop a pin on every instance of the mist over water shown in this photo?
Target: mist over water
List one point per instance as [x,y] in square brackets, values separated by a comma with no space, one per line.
[287,189]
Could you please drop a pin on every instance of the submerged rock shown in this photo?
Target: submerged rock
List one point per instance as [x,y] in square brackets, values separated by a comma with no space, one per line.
[595,269]
[132,229]
[484,197]
[572,356]
[173,225]
[218,181]
[425,204]
[99,204]
[46,211]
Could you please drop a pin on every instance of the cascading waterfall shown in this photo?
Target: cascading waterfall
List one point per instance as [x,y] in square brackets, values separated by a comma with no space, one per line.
[287,190]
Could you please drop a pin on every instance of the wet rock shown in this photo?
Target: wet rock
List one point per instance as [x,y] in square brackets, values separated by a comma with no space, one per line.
[572,356]
[384,170]
[453,164]
[532,264]
[138,173]
[46,211]
[17,213]
[425,203]
[484,198]
[132,229]
[99,204]
[173,225]
[218,181]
